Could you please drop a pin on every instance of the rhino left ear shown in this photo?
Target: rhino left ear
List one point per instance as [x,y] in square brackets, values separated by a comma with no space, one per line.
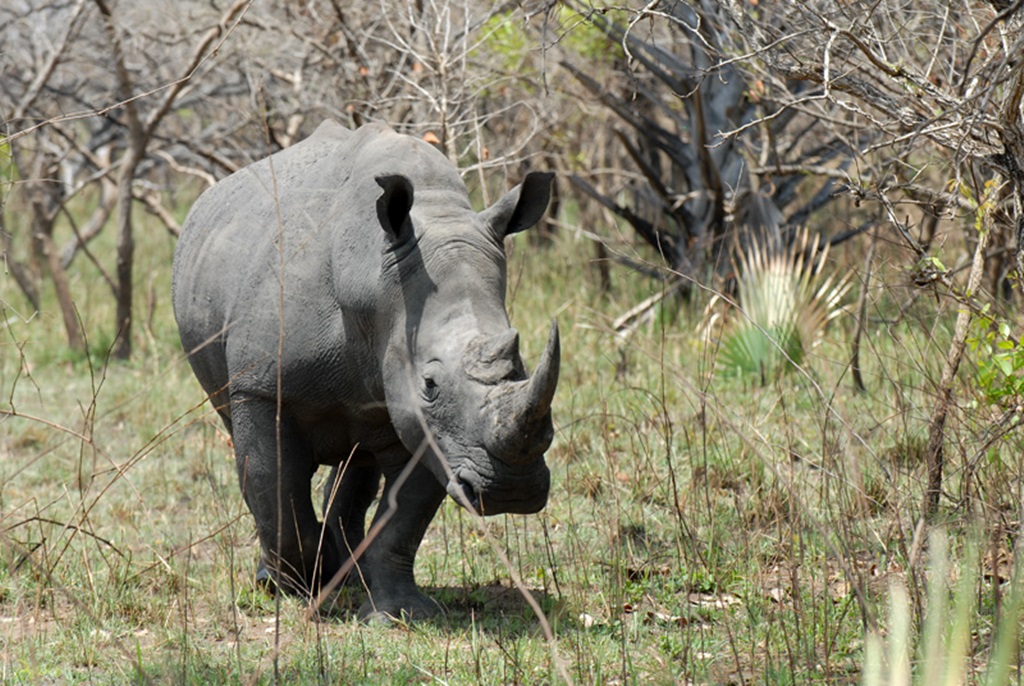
[521,207]
[394,205]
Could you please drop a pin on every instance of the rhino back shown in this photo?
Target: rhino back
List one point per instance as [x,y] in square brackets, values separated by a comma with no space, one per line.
[305,218]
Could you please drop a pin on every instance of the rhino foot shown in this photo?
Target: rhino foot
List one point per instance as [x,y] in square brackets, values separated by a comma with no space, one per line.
[404,607]
[265,581]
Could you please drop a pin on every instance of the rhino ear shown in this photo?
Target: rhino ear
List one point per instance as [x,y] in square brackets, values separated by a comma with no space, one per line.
[394,204]
[521,207]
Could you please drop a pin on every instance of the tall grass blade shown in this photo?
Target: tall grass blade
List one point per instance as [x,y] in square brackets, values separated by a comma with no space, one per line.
[964,611]
[932,654]
[1006,645]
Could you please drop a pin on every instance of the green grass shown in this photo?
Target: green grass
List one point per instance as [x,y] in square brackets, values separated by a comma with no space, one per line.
[701,528]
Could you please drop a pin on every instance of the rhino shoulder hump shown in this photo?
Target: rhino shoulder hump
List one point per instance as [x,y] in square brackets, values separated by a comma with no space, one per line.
[331,130]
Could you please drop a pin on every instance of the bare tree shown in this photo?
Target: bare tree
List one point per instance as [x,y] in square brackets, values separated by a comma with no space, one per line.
[945,125]
[140,130]
[65,135]
[111,105]
[911,108]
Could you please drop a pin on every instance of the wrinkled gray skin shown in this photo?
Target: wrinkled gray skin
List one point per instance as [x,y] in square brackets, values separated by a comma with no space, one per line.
[397,351]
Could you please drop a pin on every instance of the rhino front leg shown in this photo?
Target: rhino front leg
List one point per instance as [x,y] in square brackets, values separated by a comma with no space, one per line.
[392,554]
[348,494]
[297,553]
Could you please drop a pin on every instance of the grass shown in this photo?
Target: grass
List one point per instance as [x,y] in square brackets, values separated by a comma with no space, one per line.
[701,528]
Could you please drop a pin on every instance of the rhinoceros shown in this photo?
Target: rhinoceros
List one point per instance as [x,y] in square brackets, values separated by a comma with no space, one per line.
[343,305]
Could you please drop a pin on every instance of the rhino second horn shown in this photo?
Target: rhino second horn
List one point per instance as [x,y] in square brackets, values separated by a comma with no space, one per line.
[504,346]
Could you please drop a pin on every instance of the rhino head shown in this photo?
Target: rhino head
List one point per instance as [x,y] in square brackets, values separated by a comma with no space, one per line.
[456,388]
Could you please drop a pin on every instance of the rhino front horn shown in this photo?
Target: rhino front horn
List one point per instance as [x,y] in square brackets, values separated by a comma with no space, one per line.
[541,389]
[520,412]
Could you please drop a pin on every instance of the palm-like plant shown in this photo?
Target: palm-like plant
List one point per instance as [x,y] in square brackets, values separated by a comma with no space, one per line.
[784,300]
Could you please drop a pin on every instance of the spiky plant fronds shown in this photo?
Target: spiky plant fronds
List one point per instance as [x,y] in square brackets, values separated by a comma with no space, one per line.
[784,301]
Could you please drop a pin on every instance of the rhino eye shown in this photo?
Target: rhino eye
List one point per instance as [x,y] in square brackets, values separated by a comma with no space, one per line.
[430,389]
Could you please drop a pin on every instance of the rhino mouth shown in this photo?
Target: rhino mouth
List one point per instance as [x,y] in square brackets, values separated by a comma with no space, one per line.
[463,492]
[521,493]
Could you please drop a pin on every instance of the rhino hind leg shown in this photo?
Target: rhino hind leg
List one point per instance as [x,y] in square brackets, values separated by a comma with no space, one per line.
[350,490]
[296,557]
[390,557]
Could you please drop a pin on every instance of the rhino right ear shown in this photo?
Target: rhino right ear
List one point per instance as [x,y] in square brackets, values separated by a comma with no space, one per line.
[394,205]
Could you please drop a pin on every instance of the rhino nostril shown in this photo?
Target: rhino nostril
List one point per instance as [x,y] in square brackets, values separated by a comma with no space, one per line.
[463,492]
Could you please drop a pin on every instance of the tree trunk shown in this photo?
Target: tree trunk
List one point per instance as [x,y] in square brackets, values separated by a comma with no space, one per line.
[45,206]
[23,275]
[72,325]
[862,315]
[936,427]
[138,138]
[125,256]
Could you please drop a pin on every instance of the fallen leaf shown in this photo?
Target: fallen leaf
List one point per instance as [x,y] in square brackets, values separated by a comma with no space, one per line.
[665,618]
[718,601]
